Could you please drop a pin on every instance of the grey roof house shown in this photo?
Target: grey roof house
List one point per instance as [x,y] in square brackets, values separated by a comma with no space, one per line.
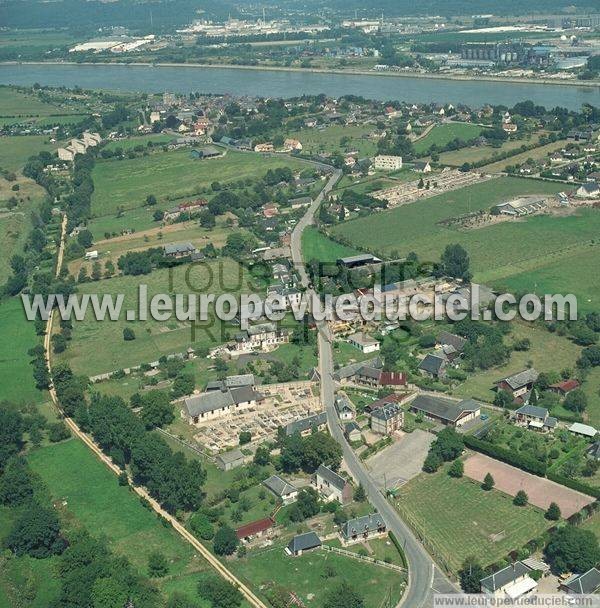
[363,527]
[305,425]
[282,489]
[303,542]
[446,411]
[586,583]
[230,460]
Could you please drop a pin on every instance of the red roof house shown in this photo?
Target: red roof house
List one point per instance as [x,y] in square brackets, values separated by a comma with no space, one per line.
[255,528]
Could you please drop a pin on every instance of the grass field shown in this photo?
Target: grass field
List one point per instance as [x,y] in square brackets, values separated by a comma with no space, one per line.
[317,246]
[21,104]
[108,510]
[132,142]
[18,336]
[443,134]
[13,234]
[126,183]
[458,519]
[304,576]
[416,227]
[88,353]
[536,154]
[329,139]
[15,149]
[548,352]
[591,386]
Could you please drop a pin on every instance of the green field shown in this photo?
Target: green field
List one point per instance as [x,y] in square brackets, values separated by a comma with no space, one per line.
[15,103]
[494,250]
[14,228]
[304,576]
[108,510]
[132,142]
[471,522]
[16,149]
[329,140]
[317,246]
[443,134]
[548,352]
[88,352]
[126,183]
[18,336]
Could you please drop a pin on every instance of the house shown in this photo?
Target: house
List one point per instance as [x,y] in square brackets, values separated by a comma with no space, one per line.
[565,387]
[352,432]
[292,145]
[237,381]
[206,152]
[264,337]
[266,147]
[362,528]
[446,411]
[387,162]
[588,190]
[179,250]
[365,343]
[91,255]
[348,373]
[344,408]
[587,583]
[392,398]
[511,582]
[305,426]
[255,529]
[387,419]
[230,460]
[303,542]
[518,384]
[283,490]
[446,339]
[535,417]
[509,127]
[433,366]
[331,486]
[422,166]
[216,404]
[66,154]
[583,430]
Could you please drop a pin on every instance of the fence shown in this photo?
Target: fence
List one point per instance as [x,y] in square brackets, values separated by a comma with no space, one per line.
[364,558]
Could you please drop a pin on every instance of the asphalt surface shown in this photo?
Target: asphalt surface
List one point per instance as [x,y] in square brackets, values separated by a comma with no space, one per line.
[425,578]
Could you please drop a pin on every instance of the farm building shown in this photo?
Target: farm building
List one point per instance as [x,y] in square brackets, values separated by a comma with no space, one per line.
[230,460]
[433,366]
[215,404]
[523,205]
[446,411]
[518,384]
[356,261]
[586,583]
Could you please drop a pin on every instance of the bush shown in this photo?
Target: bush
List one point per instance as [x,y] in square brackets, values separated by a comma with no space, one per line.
[58,431]
[509,457]
[553,512]
[225,541]
[521,498]
[457,469]
[157,565]
[201,526]
[128,334]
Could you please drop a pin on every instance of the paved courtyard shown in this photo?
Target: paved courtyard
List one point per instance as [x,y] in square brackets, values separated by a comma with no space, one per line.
[401,461]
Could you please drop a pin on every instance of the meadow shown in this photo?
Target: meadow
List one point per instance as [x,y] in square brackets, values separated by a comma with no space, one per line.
[493,250]
[18,336]
[170,175]
[330,139]
[318,246]
[16,149]
[458,519]
[87,352]
[14,227]
[443,134]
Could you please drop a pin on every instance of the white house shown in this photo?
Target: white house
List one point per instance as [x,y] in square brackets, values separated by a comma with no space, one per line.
[387,162]
[511,582]
[364,342]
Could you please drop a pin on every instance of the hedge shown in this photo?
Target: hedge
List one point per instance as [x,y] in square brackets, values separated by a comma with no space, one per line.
[399,548]
[516,460]
[574,484]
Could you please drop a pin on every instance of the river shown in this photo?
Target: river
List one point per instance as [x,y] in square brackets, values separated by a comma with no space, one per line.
[256,82]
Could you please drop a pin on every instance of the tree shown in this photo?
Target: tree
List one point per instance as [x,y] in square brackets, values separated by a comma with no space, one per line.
[503,398]
[245,437]
[219,592]
[359,494]
[553,512]
[16,487]
[36,532]
[128,334]
[521,498]
[225,541]
[455,262]
[488,482]
[59,343]
[202,527]
[470,575]
[180,600]
[85,238]
[151,200]
[11,433]
[433,462]
[576,401]
[457,469]
[262,456]
[157,410]
[58,431]
[572,549]
[109,593]
[307,505]
[343,596]
[96,271]
[157,565]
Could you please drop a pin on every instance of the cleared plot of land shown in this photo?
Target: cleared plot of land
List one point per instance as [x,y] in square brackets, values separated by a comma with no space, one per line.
[304,576]
[535,154]
[16,149]
[416,227]
[329,139]
[457,519]
[126,183]
[318,246]
[18,336]
[510,480]
[548,352]
[88,352]
[442,135]
[401,461]
[108,510]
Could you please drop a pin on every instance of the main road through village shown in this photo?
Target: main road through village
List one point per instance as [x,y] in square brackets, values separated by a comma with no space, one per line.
[424,577]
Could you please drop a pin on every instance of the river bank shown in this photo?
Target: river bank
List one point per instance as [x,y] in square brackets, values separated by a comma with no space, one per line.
[338,71]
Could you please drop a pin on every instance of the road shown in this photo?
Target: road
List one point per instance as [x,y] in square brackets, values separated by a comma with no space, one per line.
[221,570]
[424,577]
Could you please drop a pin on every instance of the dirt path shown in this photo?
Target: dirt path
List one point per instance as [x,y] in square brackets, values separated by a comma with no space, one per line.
[222,571]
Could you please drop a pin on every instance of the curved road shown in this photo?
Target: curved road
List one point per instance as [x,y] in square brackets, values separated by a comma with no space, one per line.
[425,578]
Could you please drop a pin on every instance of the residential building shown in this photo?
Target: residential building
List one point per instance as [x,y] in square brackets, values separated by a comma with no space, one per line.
[348,373]
[266,147]
[535,417]
[237,381]
[302,543]
[179,250]
[305,426]
[216,404]
[230,460]
[387,162]
[362,528]
[433,366]
[292,145]
[565,387]
[283,490]
[344,408]
[387,419]
[583,584]
[511,582]
[445,339]
[588,190]
[66,154]
[255,529]
[422,166]
[352,432]
[332,486]
[264,337]
[446,411]
[583,430]
[364,342]
[519,384]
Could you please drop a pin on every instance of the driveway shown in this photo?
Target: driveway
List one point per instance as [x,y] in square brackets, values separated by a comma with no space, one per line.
[401,461]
